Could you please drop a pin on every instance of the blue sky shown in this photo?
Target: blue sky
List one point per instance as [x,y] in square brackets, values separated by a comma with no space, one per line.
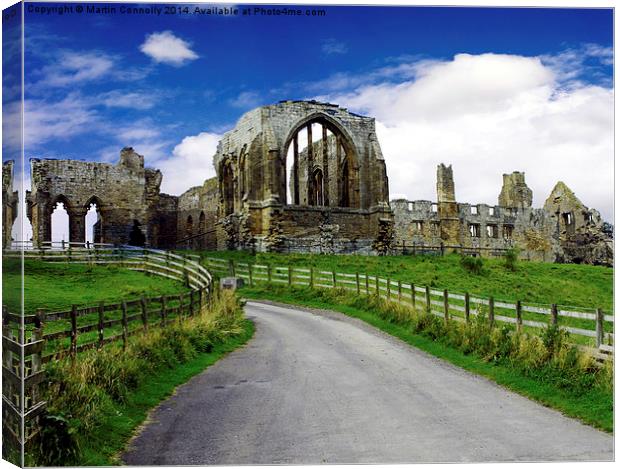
[170,85]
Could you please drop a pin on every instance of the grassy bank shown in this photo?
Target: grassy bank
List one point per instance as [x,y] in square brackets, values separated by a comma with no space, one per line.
[95,404]
[57,286]
[544,368]
[583,286]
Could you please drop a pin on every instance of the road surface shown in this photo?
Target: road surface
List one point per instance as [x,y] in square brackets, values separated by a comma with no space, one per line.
[319,387]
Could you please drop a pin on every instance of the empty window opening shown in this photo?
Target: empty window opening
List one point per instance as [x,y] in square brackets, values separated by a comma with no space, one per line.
[492,231]
[93,233]
[507,231]
[410,206]
[418,226]
[434,228]
[491,211]
[434,208]
[474,230]
[317,188]
[473,210]
[60,223]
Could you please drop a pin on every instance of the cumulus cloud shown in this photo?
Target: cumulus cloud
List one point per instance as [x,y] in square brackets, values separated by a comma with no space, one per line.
[191,163]
[491,114]
[165,47]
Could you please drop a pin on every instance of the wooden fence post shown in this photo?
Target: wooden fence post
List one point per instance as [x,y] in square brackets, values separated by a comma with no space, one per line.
[311,277]
[400,291]
[413,296]
[73,349]
[466,307]
[191,302]
[389,289]
[377,285]
[491,311]
[181,307]
[519,316]
[554,315]
[290,278]
[124,321]
[334,278]
[100,325]
[366,281]
[145,320]
[163,310]
[250,274]
[600,333]
[357,282]
[268,273]
[427,294]
[231,267]
[446,308]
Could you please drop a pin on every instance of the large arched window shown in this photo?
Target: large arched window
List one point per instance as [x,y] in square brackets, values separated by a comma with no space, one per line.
[319,143]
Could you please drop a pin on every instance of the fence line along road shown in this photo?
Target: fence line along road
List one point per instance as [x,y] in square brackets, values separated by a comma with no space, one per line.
[586,323]
[29,341]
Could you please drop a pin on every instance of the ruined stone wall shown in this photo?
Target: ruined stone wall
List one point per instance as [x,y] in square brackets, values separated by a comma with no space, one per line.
[197,217]
[9,202]
[251,163]
[564,230]
[126,195]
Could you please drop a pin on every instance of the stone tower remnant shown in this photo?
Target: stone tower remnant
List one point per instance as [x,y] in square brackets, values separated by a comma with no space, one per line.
[515,192]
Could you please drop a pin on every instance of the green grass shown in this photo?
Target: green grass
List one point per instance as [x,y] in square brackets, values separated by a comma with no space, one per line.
[121,421]
[95,402]
[57,286]
[582,286]
[593,406]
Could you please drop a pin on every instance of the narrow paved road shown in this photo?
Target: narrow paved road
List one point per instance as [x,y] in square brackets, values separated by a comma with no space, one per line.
[324,388]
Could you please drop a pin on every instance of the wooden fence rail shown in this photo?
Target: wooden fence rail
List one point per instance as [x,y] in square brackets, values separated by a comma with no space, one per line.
[592,324]
[29,341]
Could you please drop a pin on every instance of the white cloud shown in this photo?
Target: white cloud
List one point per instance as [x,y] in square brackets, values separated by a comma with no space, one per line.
[246,100]
[491,114]
[333,47]
[140,100]
[77,67]
[166,48]
[45,121]
[191,163]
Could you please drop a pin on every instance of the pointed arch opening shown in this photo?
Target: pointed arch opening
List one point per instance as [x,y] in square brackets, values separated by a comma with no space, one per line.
[59,219]
[93,222]
[319,142]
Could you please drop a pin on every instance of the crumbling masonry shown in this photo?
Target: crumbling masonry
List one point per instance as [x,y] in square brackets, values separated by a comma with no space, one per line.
[302,176]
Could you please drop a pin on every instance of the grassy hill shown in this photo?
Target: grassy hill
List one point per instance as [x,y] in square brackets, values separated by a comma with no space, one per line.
[56,286]
[582,286]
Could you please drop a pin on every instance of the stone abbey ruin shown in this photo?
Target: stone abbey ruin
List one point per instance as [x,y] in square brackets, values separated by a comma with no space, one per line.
[303,176]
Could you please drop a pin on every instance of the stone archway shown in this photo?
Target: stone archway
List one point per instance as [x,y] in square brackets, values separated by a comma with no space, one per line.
[327,147]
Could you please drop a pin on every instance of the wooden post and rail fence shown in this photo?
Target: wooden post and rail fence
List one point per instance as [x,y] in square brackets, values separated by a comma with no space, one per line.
[29,341]
[583,325]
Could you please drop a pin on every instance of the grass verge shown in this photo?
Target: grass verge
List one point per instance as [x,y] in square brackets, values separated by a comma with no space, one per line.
[95,403]
[544,368]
